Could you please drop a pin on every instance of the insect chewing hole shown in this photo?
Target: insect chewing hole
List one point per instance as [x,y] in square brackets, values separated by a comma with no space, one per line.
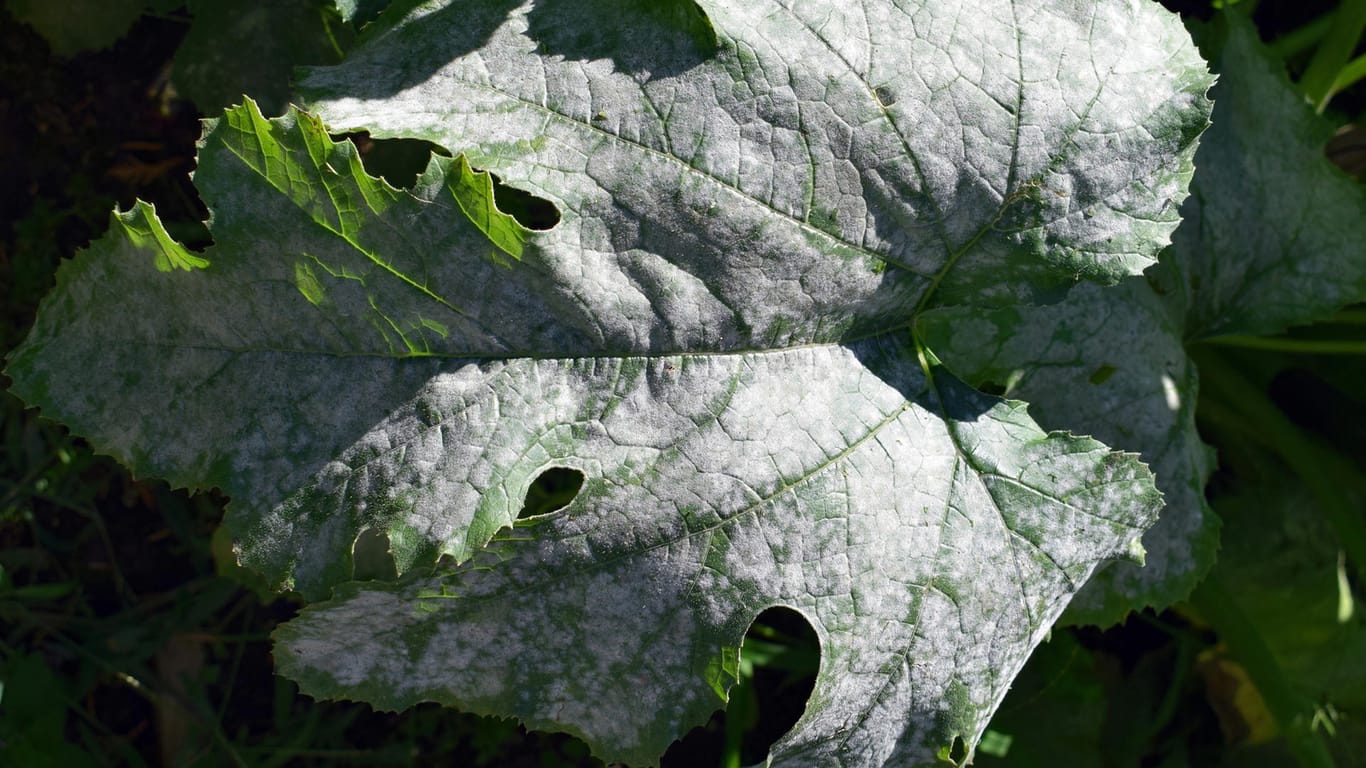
[959,751]
[371,557]
[529,210]
[397,161]
[552,490]
[779,659]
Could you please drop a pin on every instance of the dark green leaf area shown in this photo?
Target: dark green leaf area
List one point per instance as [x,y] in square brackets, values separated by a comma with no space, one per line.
[1283,566]
[76,26]
[655,38]
[234,49]
[1271,235]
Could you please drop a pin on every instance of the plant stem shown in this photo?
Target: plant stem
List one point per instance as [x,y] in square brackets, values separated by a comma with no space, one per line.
[1293,713]
[1286,344]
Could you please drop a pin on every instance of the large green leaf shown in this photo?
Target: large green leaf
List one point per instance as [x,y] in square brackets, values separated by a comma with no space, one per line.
[930,535]
[751,205]
[981,153]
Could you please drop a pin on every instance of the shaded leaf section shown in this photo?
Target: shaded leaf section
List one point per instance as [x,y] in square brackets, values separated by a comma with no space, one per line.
[1283,564]
[234,49]
[1273,232]
[1271,239]
[279,342]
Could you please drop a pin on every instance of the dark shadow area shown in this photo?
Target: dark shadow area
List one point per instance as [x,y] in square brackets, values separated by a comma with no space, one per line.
[233,49]
[1321,407]
[779,660]
[369,10]
[893,359]
[443,35]
[993,388]
[658,38]
[551,491]
[78,136]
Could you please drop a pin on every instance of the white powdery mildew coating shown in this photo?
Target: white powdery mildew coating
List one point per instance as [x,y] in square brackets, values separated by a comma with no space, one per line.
[723,485]
[741,202]
[1099,364]
[873,131]
[352,659]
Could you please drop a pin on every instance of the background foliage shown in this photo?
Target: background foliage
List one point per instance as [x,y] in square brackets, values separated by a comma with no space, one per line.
[129,637]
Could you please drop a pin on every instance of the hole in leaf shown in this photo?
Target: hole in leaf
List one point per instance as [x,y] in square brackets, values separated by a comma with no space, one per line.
[958,753]
[778,663]
[992,388]
[551,491]
[1002,389]
[371,559]
[529,210]
[397,161]
[884,96]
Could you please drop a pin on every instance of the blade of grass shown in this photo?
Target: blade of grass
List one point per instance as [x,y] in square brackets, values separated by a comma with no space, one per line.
[1333,52]
[1301,39]
[1350,73]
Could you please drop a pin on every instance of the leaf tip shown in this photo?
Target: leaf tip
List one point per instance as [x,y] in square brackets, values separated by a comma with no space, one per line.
[1136,553]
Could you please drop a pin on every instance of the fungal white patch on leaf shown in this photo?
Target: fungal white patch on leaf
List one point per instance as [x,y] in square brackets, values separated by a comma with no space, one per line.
[1145,406]
[752,211]
[892,518]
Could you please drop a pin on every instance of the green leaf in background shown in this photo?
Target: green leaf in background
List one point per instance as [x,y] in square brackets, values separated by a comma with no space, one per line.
[231,48]
[1282,561]
[1061,687]
[74,26]
[33,715]
[741,210]
[237,48]
[1274,234]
